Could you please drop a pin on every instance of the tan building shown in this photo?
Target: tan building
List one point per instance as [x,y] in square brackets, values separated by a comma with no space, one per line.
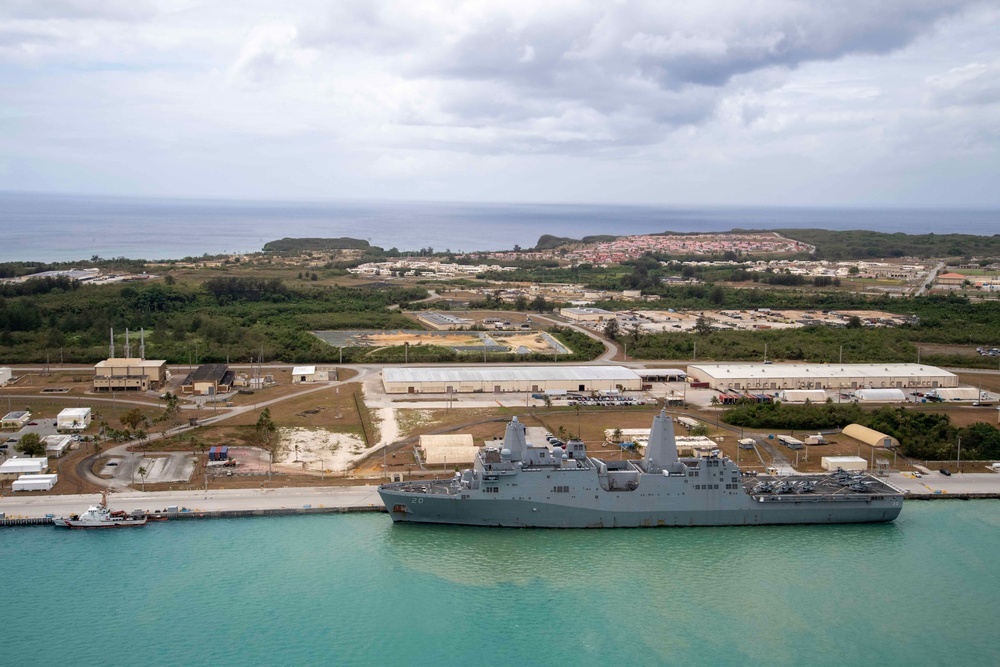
[870,436]
[586,314]
[130,374]
[209,380]
[743,376]
[500,379]
[951,279]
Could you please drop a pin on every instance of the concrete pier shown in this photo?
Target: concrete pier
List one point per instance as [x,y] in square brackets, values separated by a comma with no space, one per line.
[26,509]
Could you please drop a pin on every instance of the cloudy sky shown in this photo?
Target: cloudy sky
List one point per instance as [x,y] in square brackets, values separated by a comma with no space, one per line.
[893,102]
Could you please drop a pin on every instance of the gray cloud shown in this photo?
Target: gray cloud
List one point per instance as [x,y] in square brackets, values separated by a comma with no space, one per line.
[639,64]
[774,100]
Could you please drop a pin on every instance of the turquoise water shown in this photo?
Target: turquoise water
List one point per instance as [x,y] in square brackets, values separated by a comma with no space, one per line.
[354,589]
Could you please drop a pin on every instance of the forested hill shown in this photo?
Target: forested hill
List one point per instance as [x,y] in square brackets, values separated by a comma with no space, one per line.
[547,241]
[294,245]
[863,244]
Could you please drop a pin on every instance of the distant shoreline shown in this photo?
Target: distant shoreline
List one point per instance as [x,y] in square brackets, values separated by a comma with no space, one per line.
[67,228]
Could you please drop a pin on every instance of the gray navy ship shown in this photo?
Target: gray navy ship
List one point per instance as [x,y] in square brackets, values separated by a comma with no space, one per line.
[525,485]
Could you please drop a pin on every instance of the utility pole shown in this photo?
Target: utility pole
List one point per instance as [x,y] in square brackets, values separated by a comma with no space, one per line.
[958,461]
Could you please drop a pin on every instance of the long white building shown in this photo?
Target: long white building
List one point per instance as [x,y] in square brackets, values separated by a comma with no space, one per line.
[500,379]
[820,376]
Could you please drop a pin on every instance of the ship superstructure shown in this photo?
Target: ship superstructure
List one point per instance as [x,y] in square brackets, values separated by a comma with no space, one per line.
[526,485]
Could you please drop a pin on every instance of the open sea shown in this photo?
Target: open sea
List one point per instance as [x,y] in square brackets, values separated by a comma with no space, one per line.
[357,590]
[50,227]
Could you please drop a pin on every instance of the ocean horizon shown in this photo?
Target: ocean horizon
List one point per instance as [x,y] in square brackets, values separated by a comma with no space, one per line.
[71,227]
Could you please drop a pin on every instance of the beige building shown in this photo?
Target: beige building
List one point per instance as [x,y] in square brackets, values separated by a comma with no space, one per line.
[448,449]
[870,436]
[741,377]
[500,379]
[130,374]
[209,380]
[586,314]
[307,374]
[15,420]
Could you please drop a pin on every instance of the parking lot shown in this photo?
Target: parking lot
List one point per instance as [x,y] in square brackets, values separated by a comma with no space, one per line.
[42,427]
[166,467]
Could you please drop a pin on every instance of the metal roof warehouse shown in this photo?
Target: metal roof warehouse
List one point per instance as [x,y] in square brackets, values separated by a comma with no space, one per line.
[820,376]
[500,379]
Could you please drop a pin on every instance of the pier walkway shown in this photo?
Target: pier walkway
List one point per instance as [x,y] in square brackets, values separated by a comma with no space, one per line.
[204,504]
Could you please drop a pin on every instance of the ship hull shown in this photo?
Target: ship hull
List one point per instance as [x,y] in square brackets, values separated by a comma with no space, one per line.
[444,509]
[88,525]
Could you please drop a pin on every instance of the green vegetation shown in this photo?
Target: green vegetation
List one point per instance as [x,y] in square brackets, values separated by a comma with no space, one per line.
[583,347]
[303,244]
[924,435]
[224,319]
[548,242]
[862,244]
[935,324]
[30,444]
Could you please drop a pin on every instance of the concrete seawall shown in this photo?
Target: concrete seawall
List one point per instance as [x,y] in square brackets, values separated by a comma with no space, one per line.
[27,509]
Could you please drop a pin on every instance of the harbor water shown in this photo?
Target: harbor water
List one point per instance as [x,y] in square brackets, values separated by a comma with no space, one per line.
[358,590]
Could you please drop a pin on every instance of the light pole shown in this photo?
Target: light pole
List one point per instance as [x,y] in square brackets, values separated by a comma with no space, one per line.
[958,459]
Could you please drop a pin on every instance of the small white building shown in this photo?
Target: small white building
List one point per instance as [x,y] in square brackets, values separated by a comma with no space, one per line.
[5,375]
[855,463]
[22,465]
[73,419]
[801,396]
[880,395]
[56,445]
[957,394]
[301,374]
[34,483]
[15,420]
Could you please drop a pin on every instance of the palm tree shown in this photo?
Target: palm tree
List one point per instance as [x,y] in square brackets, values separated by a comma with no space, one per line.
[142,474]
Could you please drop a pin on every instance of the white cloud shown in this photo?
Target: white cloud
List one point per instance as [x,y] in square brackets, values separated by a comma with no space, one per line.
[713,101]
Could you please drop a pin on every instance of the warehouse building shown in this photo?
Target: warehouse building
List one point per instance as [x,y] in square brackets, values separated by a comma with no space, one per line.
[586,314]
[501,379]
[209,380]
[130,374]
[820,376]
[5,375]
[73,419]
[661,374]
[443,321]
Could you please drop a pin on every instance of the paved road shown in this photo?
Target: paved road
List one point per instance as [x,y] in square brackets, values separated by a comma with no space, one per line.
[23,505]
[930,279]
[938,484]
